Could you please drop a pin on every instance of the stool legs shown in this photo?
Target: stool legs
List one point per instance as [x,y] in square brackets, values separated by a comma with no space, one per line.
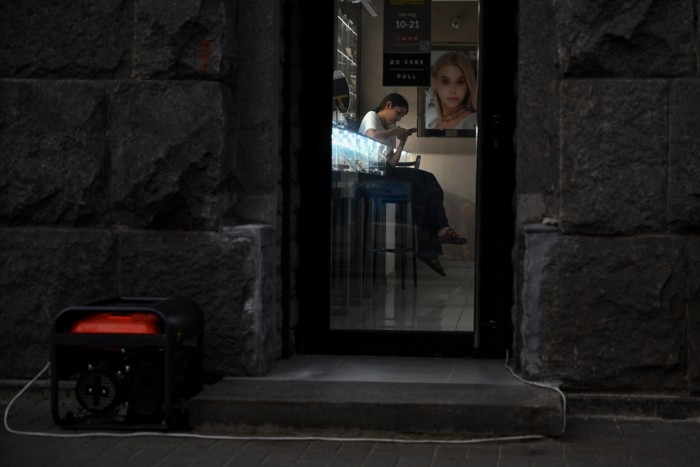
[403,220]
[401,223]
[406,221]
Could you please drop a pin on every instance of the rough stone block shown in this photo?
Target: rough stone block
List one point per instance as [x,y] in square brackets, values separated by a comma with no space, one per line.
[537,140]
[683,150]
[88,39]
[607,313]
[614,154]
[54,167]
[263,303]
[189,40]
[258,63]
[540,245]
[256,208]
[171,155]
[43,271]
[223,273]
[530,208]
[257,174]
[626,38]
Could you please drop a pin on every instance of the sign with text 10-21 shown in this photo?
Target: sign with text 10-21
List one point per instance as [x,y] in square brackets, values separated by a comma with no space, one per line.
[406,43]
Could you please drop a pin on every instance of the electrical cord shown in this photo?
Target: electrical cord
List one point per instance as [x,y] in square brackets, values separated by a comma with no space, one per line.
[258,438]
[547,386]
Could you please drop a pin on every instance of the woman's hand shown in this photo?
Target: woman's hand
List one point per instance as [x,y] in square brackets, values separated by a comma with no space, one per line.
[402,133]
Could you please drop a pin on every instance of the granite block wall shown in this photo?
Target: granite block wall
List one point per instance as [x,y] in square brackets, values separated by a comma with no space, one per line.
[607,151]
[137,160]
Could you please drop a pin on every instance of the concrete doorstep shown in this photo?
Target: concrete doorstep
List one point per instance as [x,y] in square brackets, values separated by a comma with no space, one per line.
[415,408]
[398,398]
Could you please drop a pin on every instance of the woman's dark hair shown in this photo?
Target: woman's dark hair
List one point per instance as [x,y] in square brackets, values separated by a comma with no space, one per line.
[396,99]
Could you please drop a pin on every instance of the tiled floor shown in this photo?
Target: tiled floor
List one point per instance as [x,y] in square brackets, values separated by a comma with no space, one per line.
[437,304]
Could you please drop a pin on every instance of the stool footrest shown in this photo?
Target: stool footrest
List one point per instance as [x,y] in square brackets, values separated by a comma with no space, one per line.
[394,250]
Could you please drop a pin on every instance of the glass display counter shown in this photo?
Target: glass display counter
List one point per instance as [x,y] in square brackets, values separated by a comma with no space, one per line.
[353,152]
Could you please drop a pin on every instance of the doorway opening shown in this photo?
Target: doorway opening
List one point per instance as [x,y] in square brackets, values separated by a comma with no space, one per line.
[386,223]
[372,304]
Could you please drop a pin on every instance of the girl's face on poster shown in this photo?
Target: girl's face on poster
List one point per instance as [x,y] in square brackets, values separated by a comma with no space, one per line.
[451,86]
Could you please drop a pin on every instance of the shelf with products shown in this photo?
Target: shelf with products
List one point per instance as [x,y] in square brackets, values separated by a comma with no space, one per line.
[346,56]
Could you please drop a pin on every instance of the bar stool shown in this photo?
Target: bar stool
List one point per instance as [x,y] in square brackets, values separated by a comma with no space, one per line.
[377,195]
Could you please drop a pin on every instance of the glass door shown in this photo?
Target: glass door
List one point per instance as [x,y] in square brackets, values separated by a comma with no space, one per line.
[401,282]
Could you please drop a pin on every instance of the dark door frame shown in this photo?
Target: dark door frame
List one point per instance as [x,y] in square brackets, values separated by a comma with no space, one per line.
[495,211]
[498,58]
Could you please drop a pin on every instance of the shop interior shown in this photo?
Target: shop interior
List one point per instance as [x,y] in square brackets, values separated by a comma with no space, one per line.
[371,288]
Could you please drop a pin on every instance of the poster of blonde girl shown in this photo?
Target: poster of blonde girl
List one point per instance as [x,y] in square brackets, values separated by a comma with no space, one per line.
[452,96]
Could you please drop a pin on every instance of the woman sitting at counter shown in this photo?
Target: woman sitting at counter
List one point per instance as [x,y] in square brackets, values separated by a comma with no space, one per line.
[427,196]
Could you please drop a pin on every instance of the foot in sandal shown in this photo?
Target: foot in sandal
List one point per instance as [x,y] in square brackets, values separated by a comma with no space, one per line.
[449,236]
[434,264]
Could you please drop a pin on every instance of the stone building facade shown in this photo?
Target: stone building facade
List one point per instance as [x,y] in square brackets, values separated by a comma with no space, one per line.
[140,150]
[607,147]
[151,148]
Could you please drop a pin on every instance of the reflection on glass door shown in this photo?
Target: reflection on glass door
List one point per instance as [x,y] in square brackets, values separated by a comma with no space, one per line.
[382,279]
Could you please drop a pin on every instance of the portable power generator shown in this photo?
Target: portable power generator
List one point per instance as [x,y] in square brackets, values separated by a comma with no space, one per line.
[126,362]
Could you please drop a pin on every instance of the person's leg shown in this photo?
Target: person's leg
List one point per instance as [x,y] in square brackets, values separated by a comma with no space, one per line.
[426,199]
[428,213]
[433,204]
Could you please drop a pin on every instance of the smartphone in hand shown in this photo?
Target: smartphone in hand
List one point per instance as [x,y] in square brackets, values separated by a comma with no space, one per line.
[412,130]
